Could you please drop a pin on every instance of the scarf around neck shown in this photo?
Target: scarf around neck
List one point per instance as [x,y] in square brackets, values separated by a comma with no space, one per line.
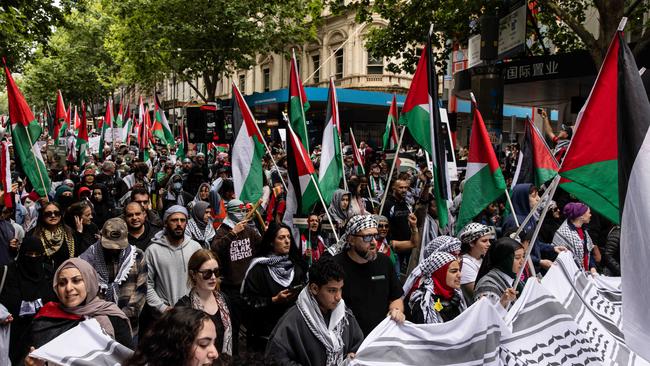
[280,268]
[330,336]
[224,314]
[126,260]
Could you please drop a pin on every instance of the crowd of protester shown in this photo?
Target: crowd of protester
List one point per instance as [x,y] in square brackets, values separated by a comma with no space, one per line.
[174,266]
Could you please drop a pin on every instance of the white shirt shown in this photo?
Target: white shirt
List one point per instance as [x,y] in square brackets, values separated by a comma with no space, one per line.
[470,269]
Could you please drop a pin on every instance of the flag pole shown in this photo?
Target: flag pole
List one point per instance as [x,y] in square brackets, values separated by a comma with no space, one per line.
[392,169]
[363,170]
[302,102]
[268,150]
[322,201]
[551,189]
[514,215]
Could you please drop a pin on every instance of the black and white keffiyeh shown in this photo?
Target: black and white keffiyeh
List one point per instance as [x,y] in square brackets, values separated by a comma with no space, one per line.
[280,268]
[473,231]
[423,295]
[442,243]
[110,287]
[358,223]
[567,236]
[330,336]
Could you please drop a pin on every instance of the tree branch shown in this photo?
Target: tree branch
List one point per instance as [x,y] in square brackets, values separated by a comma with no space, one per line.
[573,23]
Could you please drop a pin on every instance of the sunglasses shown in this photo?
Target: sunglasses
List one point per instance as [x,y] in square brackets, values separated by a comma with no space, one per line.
[368,238]
[207,273]
[52,213]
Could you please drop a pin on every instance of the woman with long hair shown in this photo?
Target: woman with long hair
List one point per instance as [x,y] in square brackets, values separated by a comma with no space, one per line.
[76,286]
[80,217]
[205,294]
[272,282]
[181,337]
[498,271]
[57,238]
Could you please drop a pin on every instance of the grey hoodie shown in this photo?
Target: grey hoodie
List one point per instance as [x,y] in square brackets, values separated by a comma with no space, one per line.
[167,270]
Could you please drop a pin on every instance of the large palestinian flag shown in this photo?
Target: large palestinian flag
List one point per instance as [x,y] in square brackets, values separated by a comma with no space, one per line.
[484,180]
[425,127]
[298,104]
[25,132]
[247,168]
[331,167]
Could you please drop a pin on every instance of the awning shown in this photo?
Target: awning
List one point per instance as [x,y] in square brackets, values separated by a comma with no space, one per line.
[350,96]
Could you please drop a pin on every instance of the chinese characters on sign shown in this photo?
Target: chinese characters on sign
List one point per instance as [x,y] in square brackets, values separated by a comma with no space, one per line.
[534,70]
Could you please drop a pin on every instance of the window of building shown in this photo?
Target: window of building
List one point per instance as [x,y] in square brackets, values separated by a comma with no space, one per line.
[315,61]
[338,56]
[375,64]
[242,83]
[267,79]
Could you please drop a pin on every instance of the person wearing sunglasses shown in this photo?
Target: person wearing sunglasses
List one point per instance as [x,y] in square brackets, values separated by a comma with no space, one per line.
[57,238]
[204,278]
[371,288]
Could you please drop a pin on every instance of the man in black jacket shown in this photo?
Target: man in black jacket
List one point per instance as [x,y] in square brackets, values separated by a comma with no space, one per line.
[140,230]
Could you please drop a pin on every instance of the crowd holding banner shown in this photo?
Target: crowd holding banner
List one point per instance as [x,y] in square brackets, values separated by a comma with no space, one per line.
[151,251]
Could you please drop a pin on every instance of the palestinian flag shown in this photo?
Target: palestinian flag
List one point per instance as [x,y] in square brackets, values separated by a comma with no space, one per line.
[104,125]
[330,171]
[119,121]
[298,104]
[82,135]
[25,133]
[358,160]
[590,166]
[247,168]
[144,135]
[609,158]
[59,118]
[484,181]
[425,127]
[536,163]
[5,173]
[161,127]
[181,150]
[128,126]
[389,140]
[302,193]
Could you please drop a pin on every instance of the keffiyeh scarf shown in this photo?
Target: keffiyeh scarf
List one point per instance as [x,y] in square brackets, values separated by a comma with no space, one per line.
[280,268]
[473,231]
[442,243]
[111,288]
[203,236]
[568,237]
[330,336]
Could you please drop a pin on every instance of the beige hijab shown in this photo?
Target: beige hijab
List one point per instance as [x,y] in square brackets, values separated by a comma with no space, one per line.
[93,306]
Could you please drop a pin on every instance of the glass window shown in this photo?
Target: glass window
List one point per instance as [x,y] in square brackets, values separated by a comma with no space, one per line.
[375,64]
[339,64]
[267,79]
[242,84]
[315,60]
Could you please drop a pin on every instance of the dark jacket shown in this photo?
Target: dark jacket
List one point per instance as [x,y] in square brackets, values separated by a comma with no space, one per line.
[521,205]
[613,253]
[143,241]
[293,343]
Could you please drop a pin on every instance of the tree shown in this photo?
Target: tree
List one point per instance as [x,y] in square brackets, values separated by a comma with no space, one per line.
[152,39]
[24,24]
[456,20]
[74,61]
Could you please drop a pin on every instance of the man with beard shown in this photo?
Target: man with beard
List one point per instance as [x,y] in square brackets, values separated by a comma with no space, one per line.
[397,210]
[166,259]
[372,289]
[140,230]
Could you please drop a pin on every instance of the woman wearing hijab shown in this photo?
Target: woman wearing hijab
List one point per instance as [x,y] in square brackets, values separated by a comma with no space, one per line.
[272,281]
[102,204]
[76,286]
[28,285]
[202,195]
[64,195]
[339,209]
[498,271]
[435,296]
[573,235]
[475,242]
[199,226]
[524,197]
[204,279]
[58,239]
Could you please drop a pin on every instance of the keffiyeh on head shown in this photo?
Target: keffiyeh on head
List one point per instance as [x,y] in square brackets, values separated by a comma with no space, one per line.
[473,231]
[442,243]
[358,223]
